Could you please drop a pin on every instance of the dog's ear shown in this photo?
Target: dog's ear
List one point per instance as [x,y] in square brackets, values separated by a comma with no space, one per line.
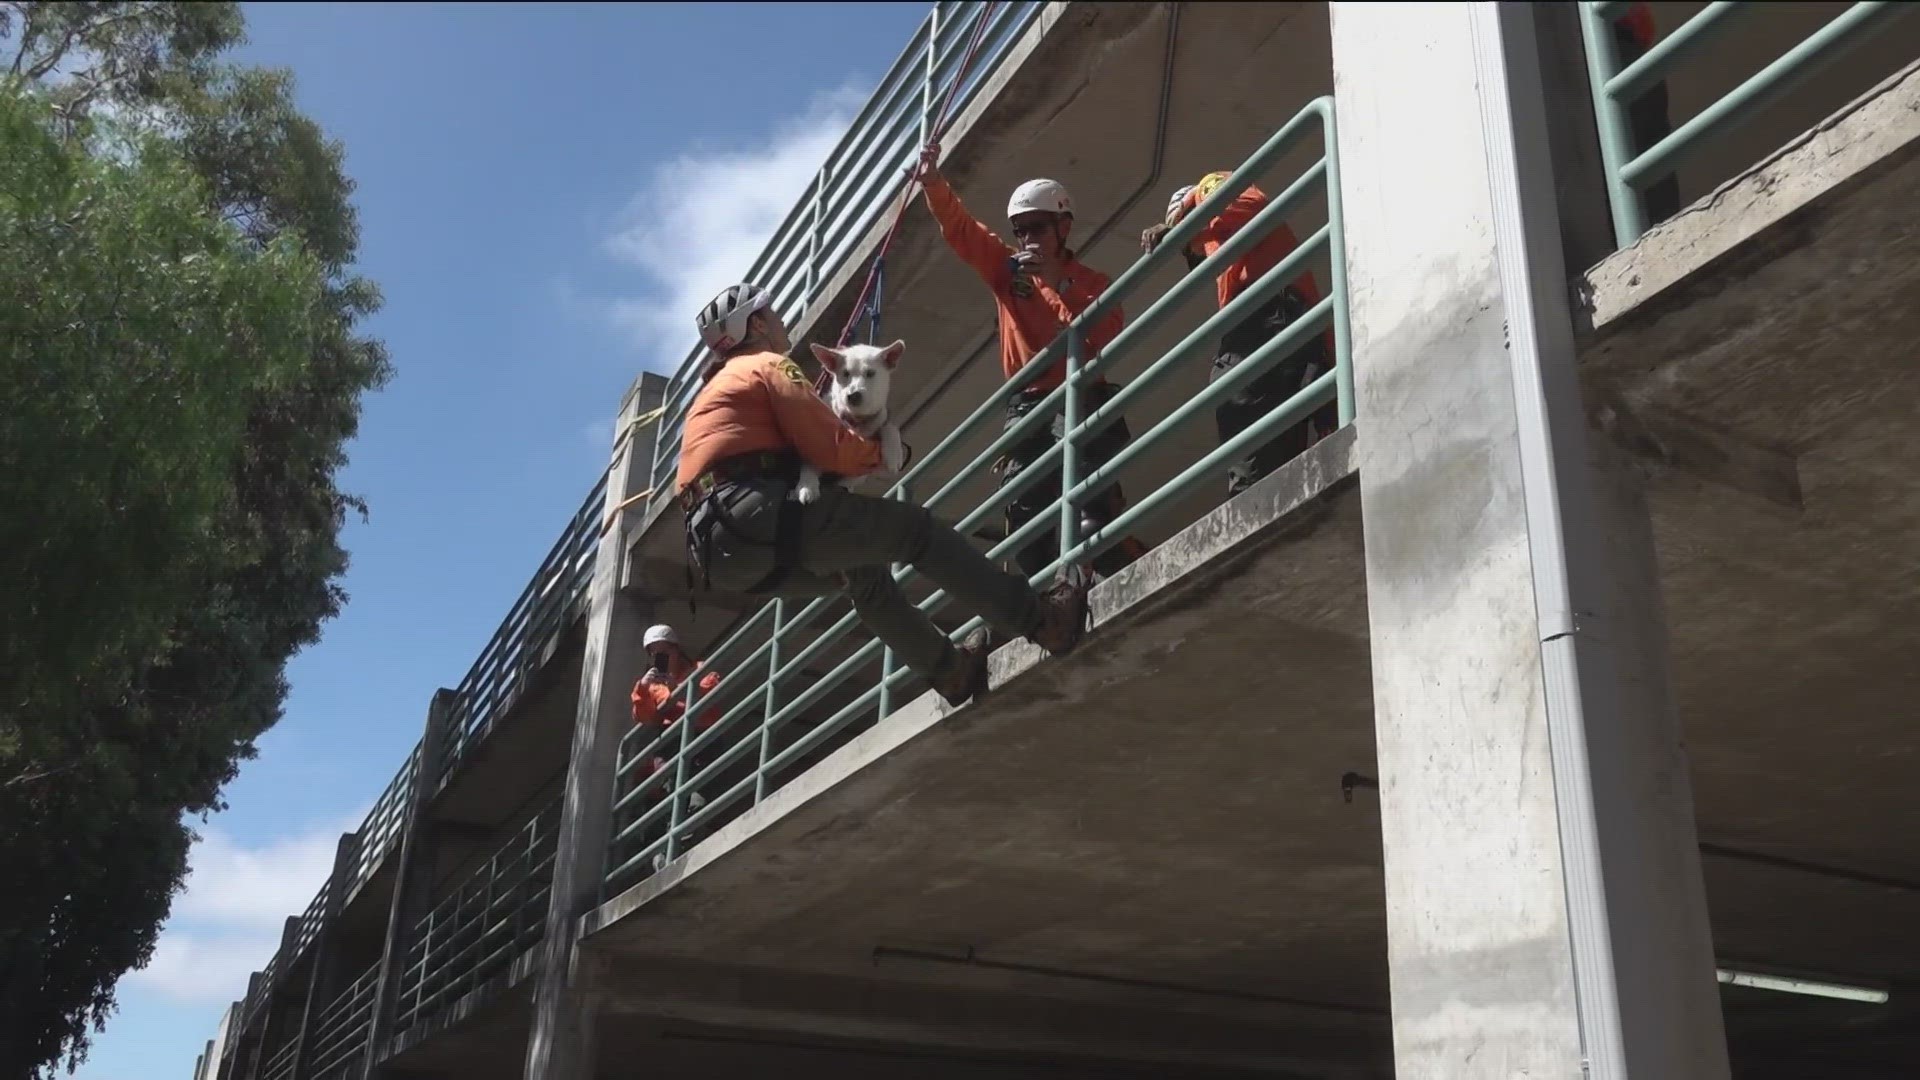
[827,357]
[891,354]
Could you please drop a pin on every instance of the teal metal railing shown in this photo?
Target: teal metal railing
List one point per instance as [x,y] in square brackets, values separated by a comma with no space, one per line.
[495,914]
[551,600]
[280,1065]
[861,175]
[339,1034]
[656,810]
[380,832]
[1631,170]
[311,920]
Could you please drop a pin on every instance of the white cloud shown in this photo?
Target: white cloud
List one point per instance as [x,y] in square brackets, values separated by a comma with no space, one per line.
[227,923]
[702,217]
[232,882]
[191,968]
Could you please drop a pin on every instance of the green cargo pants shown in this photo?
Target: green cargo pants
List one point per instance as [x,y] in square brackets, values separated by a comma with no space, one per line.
[849,541]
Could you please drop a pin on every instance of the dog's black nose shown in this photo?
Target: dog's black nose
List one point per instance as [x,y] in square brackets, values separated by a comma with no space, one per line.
[854,397]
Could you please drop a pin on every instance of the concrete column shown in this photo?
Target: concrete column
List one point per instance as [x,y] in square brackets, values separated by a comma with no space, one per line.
[1546,915]
[322,977]
[412,884]
[561,1045]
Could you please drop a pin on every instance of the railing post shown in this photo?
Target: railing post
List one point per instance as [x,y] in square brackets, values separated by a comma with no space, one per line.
[560,1045]
[773,701]
[817,236]
[926,84]
[324,974]
[1337,267]
[406,906]
[677,812]
[1616,137]
[1069,454]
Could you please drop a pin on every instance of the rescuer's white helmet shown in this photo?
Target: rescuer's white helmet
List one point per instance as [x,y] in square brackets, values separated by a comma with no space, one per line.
[1047,196]
[723,322]
[658,634]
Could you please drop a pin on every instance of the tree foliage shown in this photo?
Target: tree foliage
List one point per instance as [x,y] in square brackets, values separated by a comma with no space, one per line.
[182,371]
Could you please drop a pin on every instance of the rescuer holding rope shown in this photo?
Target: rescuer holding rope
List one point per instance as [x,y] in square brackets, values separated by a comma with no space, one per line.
[1038,288]
[749,428]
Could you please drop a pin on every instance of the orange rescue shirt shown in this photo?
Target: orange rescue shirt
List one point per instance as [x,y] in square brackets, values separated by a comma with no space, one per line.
[1265,255]
[1027,324]
[650,702]
[762,401]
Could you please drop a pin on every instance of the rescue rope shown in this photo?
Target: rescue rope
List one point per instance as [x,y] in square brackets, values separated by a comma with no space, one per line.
[641,421]
[871,287]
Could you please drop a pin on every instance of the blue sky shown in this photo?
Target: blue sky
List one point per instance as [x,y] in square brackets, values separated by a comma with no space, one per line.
[545,193]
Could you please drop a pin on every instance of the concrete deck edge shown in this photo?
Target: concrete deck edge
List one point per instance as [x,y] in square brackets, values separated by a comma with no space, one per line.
[1846,149]
[1267,509]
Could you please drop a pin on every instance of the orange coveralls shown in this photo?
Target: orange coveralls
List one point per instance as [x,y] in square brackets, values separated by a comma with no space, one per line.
[1029,324]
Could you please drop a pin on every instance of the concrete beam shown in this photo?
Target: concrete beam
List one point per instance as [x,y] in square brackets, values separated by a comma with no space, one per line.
[1527,740]
[561,1044]
[772,1001]
[324,975]
[412,884]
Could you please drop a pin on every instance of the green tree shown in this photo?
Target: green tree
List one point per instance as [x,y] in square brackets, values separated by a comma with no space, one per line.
[179,355]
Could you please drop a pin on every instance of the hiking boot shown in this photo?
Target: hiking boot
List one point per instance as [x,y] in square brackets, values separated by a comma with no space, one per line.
[969,675]
[1063,613]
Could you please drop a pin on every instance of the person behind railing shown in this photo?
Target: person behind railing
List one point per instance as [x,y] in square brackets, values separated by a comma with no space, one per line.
[751,424]
[1283,380]
[1647,116]
[658,706]
[1038,288]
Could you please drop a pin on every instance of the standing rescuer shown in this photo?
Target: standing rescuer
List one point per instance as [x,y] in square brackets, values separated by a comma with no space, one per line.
[654,705]
[1038,288]
[1277,384]
[749,427]
[656,708]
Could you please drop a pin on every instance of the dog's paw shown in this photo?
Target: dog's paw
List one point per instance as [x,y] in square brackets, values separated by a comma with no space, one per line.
[893,452]
[807,491]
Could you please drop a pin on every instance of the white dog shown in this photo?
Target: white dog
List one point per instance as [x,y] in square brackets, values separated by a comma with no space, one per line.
[862,379]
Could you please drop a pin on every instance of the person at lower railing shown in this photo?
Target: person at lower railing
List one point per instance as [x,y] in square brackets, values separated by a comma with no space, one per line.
[657,707]
[752,423]
[1038,288]
[1648,120]
[1281,382]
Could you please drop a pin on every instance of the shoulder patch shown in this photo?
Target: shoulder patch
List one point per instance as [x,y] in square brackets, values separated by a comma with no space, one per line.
[791,370]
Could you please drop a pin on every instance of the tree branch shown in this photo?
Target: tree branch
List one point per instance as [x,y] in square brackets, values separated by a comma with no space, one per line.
[47,63]
[26,38]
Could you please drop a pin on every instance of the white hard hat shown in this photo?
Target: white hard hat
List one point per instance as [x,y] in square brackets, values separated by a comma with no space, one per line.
[723,322]
[1047,196]
[1173,204]
[658,634]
